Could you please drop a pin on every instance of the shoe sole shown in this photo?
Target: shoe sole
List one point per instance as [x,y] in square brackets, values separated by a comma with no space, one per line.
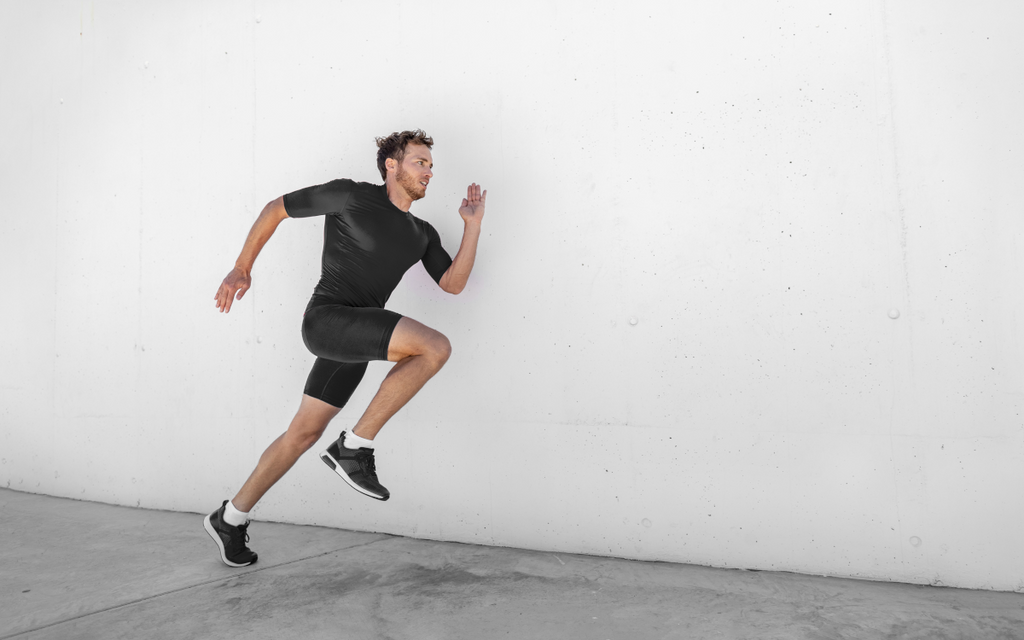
[220,544]
[336,467]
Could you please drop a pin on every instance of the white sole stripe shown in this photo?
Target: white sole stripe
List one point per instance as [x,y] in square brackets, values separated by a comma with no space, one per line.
[336,466]
[220,544]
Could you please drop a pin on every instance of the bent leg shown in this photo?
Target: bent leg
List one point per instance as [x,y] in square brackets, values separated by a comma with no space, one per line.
[305,429]
[418,352]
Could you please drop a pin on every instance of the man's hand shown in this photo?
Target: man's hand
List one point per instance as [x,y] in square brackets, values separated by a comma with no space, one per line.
[236,281]
[472,209]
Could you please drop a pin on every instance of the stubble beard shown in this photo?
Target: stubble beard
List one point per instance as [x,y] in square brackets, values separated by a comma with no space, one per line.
[410,184]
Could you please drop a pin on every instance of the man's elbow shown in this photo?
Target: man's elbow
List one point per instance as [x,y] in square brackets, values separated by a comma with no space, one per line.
[275,209]
[450,284]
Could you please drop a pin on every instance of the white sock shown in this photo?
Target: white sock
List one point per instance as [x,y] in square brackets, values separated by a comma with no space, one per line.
[233,516]
[352,441]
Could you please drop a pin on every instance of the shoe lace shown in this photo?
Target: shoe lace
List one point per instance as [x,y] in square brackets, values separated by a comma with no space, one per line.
[243,529]
[367,463]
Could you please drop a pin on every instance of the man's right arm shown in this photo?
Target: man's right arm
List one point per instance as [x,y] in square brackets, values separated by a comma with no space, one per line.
[238,280]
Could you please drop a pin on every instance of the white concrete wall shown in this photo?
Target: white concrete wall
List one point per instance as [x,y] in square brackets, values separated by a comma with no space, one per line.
[676,343]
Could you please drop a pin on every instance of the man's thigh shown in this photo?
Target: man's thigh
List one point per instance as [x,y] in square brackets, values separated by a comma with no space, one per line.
[413,338]
[333,382]
[314,412]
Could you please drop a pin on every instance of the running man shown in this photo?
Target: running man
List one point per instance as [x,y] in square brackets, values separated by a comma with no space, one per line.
[370,241]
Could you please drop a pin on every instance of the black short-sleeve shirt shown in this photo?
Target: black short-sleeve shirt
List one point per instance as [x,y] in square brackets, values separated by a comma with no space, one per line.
[369,243]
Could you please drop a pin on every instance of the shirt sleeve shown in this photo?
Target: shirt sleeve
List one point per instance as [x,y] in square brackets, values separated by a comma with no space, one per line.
[320,200]
[435,259]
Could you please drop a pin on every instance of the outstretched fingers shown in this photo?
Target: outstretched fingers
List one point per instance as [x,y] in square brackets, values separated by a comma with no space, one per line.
[473,204]
[473,195]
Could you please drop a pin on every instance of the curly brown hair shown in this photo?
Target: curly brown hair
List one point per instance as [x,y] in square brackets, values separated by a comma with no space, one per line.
[394,145]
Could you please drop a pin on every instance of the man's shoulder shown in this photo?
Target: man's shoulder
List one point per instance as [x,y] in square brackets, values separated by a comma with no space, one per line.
[327,198]
[361,190]
[348,185]
[356,184]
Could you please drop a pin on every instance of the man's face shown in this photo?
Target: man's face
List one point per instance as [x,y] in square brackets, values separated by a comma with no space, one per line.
[414,172]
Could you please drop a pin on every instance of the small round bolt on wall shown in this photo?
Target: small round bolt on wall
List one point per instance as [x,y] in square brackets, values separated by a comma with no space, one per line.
[894,313]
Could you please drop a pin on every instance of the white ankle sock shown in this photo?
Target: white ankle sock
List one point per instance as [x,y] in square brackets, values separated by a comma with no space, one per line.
[352,441]
[233,516]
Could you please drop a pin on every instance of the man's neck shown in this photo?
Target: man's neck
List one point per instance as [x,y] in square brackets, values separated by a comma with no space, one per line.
[398,196]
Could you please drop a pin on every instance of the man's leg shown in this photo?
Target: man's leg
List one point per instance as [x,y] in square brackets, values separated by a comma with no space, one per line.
[305,429]
[418,353]
[228,526]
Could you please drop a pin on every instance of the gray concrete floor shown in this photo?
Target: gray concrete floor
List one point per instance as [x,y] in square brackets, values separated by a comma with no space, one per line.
[74,569]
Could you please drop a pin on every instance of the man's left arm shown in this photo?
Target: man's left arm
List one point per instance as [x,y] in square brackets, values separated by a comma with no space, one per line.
[472,211]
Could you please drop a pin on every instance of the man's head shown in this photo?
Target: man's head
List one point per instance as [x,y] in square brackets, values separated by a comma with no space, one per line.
[394,146]
[407,156]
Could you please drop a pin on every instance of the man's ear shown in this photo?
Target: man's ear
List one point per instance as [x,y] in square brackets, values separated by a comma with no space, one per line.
[390,164]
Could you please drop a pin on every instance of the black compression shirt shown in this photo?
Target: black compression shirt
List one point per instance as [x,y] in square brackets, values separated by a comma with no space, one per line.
[369,243]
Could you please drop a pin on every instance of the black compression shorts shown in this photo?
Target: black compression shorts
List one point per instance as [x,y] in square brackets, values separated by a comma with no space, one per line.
[344,339]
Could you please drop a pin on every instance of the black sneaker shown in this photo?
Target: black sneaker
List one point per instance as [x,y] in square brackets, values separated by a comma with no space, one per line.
[231,540]
[356,467]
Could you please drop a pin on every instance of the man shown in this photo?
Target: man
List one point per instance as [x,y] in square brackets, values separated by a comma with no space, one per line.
[370,241]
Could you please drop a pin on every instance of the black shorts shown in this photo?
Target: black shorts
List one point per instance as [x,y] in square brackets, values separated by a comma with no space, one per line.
[344,339]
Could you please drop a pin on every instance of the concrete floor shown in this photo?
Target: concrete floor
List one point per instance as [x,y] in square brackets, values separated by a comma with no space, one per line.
[84,570]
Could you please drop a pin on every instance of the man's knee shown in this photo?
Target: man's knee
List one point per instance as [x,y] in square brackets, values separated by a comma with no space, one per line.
[414,339]
[304,436]
[440,349]
[310,422]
